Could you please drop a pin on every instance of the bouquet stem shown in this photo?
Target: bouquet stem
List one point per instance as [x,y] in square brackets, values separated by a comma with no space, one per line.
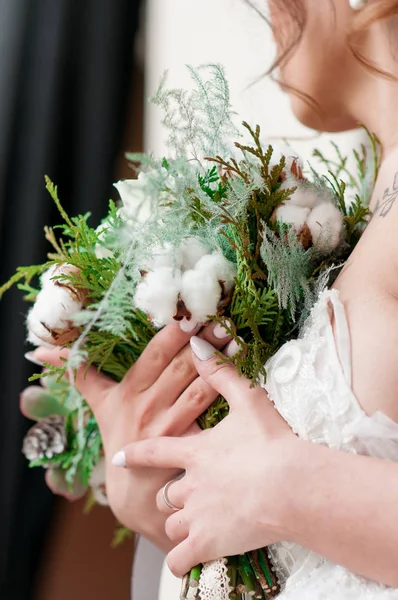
[194,577]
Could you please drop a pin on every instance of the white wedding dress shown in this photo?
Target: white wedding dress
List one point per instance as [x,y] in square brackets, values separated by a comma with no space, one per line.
[309,380]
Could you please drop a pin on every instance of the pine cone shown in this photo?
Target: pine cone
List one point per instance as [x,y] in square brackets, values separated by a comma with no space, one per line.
[45,439]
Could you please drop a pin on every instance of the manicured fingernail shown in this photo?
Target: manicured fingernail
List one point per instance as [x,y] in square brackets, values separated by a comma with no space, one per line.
[220,332]
[30,356]
[119,459]
[188,326]
[202,349]
[232,348]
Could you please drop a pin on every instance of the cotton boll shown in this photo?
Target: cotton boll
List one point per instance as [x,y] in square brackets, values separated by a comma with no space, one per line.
[50,319]
[201,293]
[38,341]
[46,277]
[50,279]
[306,196]
[294,164]
[326,224]
[292,215]
[157,294]
[55,307]
[39,334]
[192,249]
[163,256]
[219,267]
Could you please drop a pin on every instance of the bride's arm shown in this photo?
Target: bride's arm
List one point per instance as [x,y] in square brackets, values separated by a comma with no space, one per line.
[345,507]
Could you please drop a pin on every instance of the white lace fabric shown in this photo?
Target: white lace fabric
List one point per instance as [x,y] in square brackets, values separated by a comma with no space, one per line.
[214,582]
[309,381]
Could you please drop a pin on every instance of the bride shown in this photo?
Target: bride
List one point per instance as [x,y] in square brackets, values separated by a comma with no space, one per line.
[312,481]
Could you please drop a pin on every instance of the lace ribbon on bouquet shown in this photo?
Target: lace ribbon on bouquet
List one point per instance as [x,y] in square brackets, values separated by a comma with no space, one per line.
[214,583]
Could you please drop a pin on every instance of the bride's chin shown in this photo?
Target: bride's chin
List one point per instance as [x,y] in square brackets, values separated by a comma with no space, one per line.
[313,116]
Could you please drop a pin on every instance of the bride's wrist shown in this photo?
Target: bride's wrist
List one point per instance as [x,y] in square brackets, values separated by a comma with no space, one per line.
[304,502]
[288,483]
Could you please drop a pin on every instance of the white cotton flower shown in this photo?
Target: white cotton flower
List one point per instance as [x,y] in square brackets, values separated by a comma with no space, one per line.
[55,307]
[292,215]
[157,294]
[50,320]
[325,222]
[192,249]
[201,293]
[291,156]
[219,267]
[184,257]
[163,256]
[46,277]
[307,196]
[293,161]
[39,341]
[52,314]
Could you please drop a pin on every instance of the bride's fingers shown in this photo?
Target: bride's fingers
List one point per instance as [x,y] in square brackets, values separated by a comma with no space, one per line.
[181,371]
[89,382]
[177,527]
[188,407]
[156,357]
[171,497]
[185,556]
[164,453]
[224,377]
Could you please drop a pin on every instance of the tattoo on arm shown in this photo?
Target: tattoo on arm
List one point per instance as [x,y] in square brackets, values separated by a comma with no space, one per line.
[384,205]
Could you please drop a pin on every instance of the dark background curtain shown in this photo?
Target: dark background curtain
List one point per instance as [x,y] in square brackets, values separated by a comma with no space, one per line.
[65,80]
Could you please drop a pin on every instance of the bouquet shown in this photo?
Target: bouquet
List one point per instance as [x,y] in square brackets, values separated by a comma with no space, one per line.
[243,234]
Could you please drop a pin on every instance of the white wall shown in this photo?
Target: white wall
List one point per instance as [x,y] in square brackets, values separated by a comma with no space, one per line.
[180,32]
[229,32]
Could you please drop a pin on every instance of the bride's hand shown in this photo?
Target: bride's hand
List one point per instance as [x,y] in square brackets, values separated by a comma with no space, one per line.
[160,395]
[238,483]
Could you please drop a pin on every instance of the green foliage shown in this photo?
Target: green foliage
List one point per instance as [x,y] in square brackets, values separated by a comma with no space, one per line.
[211,176]
[25,274]
[121,535]
[199,122]
[356,218]
[289,268]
